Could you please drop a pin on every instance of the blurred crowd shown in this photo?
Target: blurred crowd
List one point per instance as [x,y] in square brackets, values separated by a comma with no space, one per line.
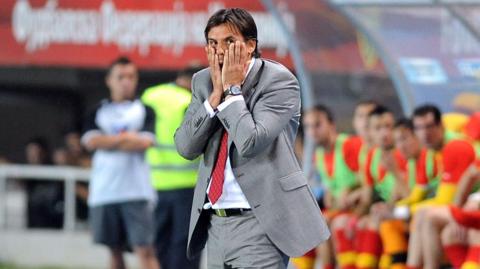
[400,192]
[45,198]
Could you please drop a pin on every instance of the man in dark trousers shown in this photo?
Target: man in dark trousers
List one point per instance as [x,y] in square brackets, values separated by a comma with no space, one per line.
[252,206]
[172,176]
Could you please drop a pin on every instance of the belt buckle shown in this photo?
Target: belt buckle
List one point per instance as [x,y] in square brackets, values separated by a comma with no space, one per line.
[221,212]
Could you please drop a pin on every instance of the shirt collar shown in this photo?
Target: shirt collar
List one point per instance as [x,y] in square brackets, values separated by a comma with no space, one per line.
[250,66]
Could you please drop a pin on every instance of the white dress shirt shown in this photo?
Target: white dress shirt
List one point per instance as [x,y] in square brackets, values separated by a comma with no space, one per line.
[232,195]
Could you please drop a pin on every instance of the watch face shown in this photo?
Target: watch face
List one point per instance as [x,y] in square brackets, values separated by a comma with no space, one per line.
[235,90]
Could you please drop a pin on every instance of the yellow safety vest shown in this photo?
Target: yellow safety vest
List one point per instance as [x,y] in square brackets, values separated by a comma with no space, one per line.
[169,170]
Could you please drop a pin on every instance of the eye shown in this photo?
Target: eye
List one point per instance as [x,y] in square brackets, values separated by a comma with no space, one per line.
[212,42]
[230,41]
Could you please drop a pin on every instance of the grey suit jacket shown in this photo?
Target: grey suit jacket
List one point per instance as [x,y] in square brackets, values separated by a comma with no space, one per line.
[261,135]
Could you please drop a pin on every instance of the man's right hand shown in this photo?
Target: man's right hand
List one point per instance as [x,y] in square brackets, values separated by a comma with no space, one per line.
[216,75]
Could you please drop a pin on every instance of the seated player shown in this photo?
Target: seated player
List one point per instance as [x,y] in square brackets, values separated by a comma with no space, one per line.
[422,171]
[336,159]
[429,129]
[384,176]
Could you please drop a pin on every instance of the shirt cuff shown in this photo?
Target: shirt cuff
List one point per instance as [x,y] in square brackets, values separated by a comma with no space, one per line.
[209,109]
[230,100]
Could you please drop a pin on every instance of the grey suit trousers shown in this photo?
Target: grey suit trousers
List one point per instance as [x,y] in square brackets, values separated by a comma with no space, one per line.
[239,242]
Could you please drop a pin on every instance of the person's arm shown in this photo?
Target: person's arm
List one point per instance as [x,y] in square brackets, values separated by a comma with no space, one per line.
[253,131]
[416,195]
[127,141]
[197,127]
[328,200]
[131,141]
[457,156]
[145,138]
[354,197]
[469,178]
[395,164]
[366,191]
[102,141]
[420,189]
[94,138]
[365,201]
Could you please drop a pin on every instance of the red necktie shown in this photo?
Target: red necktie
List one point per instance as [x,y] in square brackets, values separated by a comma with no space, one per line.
[218,174]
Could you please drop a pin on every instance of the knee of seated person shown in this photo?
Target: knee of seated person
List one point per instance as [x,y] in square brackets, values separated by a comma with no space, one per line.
[418,219]
[373,223]
[363,222]
[472,204]
[449,235]
[437,215]
[421,213]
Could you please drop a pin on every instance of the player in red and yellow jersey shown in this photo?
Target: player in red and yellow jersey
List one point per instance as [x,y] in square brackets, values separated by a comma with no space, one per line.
[360,126]
[385,176]
[384,167]
[455,156]
[345,249]
[336,159]
[449,223]
[422,171]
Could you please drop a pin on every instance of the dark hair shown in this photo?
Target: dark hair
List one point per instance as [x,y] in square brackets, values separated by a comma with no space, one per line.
[324,109]
[122,60]
[40,141]
[189,71]
[426,109]
[404,123]
[379,110]
[238,18]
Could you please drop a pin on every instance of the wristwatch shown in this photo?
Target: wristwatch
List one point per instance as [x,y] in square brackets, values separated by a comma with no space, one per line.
[233,90]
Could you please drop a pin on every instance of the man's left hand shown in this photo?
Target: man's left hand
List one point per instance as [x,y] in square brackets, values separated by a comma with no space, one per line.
[234,64]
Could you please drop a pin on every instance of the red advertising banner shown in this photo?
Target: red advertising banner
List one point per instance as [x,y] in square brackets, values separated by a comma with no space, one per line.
[168,34]
[165,34]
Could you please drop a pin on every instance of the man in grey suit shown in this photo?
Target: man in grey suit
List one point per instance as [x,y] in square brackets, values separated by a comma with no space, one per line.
[252,206]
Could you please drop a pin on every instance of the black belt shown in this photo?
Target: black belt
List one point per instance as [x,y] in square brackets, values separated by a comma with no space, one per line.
[228,212]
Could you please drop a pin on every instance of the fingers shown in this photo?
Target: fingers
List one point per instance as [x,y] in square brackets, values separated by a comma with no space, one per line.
[226,63]
[238,52]
[216,64]
[243,53]
[212,59]
[209,55]
[231,54]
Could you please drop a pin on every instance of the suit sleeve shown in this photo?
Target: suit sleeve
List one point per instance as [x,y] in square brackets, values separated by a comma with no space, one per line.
[253,131]
[197,127]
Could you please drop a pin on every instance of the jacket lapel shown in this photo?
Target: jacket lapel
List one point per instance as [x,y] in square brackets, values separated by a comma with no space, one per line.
[248,87]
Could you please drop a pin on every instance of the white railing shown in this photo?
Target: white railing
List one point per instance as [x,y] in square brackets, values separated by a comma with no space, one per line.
[68,174]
